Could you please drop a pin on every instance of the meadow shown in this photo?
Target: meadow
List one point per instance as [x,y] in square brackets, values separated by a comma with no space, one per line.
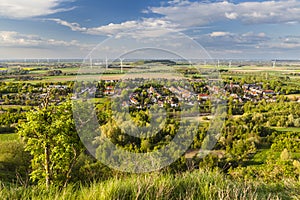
[198,184]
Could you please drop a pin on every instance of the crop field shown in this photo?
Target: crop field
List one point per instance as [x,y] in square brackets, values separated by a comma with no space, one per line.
[69,73]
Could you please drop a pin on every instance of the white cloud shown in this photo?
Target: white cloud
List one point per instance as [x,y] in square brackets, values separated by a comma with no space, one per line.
[148,27]
[284,45]
[250,45]
[219,34]
[185,15]
[18,45]
[73,26]
[15,39]
[228,40]
[287,42]
[199,13]
[232,15]
[30,8]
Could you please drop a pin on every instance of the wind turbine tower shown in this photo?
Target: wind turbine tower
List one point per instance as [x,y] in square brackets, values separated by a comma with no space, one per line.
[274,63]
[229,64]
[121,64]
[106,63]
[91,62]
[218,63]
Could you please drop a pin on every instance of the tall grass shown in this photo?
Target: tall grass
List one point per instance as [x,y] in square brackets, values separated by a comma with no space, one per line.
[194,185]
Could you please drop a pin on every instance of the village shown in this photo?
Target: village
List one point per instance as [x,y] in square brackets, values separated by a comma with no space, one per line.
[170,93]
[174,94]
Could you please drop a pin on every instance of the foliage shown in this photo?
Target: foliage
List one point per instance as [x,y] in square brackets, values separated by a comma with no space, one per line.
[14,162]
[52,140]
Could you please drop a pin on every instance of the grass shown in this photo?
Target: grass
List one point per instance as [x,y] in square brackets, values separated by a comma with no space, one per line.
[8,137]
[261,156]
[5,107]
[198,184]
[39,72]
[292,96]
[295,155]
[288,129]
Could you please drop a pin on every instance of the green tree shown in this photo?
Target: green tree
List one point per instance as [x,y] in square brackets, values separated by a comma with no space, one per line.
[51,138]
[285,155]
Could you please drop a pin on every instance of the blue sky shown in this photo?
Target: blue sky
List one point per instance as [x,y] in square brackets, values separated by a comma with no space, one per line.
[244,29]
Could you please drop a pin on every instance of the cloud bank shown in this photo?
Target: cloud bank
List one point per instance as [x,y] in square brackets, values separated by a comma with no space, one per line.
[13,38]
[19,9]
[200,13]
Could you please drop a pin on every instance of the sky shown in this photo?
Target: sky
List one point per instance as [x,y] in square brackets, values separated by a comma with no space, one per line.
[245,29]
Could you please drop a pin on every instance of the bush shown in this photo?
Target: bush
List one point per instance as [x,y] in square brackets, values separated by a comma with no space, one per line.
[14,162]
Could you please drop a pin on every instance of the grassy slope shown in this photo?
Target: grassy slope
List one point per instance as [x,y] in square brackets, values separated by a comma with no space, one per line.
[194,185]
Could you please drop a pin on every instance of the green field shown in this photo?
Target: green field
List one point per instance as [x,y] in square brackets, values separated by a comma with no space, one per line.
[292,96]
[290,129]
[237,72]
[9,137]
[15,106]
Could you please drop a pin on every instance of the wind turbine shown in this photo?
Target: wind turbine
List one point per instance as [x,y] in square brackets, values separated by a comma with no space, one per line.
[91,62]
[121,63]
[106,63]
[229,64]
[218,63]
[274,63]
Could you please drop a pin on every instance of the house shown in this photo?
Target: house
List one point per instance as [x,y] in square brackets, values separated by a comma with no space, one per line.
[160,103]
[133,100]
[60,87]
[203,96]
[174,90]
[109,87]
[174,104]
[151,90]
[234,96]
[268,92]
[246,86]
[109,92]
[231,86]
[124,104]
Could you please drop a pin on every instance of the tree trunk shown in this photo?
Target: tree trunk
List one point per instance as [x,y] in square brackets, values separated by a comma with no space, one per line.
[47,165]
[68,177]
